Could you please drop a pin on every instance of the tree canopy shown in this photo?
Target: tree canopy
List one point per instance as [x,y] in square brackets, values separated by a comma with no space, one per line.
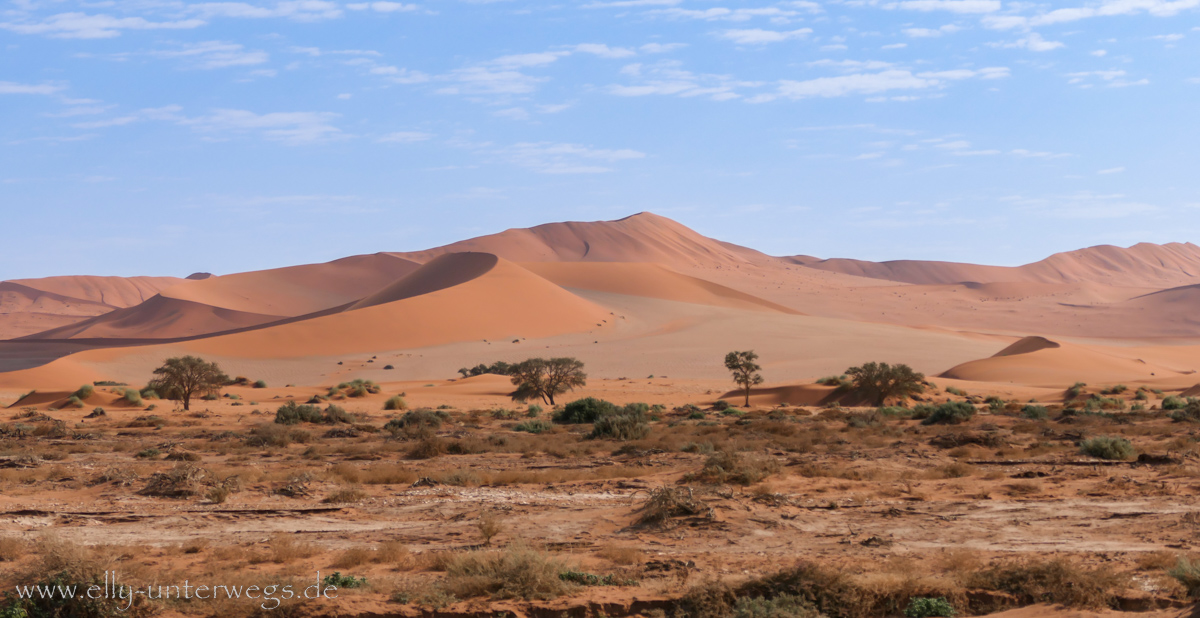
[182,377]
[544,378]
[879,381]
[744,370]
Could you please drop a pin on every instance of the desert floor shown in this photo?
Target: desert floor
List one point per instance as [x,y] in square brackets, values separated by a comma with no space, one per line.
[1001,513]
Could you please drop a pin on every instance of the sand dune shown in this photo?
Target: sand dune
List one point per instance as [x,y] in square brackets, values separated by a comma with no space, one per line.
[111,291]
[158,318]
[504,302]
[1037,361]
[648,280]
[296,290]
[644,237]
[1142,265]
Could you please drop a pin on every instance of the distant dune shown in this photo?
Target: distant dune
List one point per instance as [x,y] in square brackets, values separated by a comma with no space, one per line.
[643,291]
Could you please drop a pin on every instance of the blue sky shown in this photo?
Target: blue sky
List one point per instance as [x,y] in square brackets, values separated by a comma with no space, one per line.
[165,137]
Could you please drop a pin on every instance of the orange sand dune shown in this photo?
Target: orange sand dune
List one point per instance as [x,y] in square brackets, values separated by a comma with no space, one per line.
[1142,265]
[447,272]
[643,237]
[111,291]
[506,301]
[158,318]
[25,310]
[296,290]
[648,280]
[1037,361]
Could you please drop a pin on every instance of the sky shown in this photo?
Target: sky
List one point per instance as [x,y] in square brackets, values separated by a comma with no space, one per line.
[164,137]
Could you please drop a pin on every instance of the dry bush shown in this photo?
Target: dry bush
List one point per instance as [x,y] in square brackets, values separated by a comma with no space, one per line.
[387,474]
[353,557]
[182,481]
[393,552]
[345,495]
[624,555]
[665,503]
[194,546]
[735,467]
[490,524]
[12,548]
[1057,580]
[285,549]
[1023,488]
[1156,560]
[516,572]
[427,448]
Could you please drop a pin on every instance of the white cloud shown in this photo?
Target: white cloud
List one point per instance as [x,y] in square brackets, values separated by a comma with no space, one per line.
[485,80]
[1100,53]
[1169,38]
[555,158]
[215,55]
[667,78]
[512,113]
[1111,79]
[15,88]
[953,6]
[604,51]
[724,14]
[661,48]
[317,52]
[292,128]
[874,83]
[83,26]
[1111,170]
[399,75]
[1034,154]
[917,33]
[1032,42]
[296,10]
[852,65]
[1108,8]
[756,36]
[622,4]
[382,7]
[894,46]
[405,137]
[536,59]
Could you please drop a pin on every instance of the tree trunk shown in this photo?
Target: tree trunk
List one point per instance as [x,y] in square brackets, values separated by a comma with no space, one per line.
[747,397]
[551,396]
[187,402]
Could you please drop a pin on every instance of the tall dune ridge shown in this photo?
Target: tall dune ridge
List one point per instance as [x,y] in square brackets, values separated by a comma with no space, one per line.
[608,287]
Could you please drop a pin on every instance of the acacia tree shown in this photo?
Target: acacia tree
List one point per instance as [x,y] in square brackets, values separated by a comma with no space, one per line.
[879,381]
[744,369]
[182,377]
[545,378]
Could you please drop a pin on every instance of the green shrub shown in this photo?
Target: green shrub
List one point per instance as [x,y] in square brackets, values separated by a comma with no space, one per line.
[1190,413]
[85,391]
[585,410]
[628,423]
[923,411]
[1141,395]
[149,393]
[591,579]
[344,581]
[74,402]
[927,607]
[292,413]
[893,411]
[696,415]
[782,606]
[1035,412]
[1115,390]
[720,405]
[950,413]
[149,453]
[421,423]
[533,410]
[534,426]
[956,391]
[1075,390]
[1188,574]
[842,382]
[1105,447]
[260,384]
[1173,403]
[132,396]
[395,402]
[210,397]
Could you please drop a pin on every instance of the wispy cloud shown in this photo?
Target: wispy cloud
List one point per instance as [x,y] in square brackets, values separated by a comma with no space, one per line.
[15,88]
[952,6]
[758,36]
[84,26]
[558,158]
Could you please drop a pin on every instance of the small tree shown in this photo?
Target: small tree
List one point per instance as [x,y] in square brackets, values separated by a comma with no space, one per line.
[878,381]
[181,378]
[545,378]
[745,370]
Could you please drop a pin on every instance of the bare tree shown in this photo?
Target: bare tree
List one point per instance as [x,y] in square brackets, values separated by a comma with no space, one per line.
[545,378]
[745,370]
[182,377]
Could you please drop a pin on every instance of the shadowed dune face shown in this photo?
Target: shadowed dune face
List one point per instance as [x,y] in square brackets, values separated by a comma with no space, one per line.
[442,272]
[158,318]
[30,306]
